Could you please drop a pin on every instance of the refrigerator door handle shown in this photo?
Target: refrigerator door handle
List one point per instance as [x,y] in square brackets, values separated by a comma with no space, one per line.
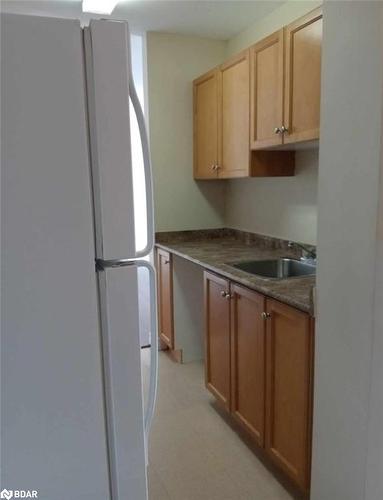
[147,167]
[101,265]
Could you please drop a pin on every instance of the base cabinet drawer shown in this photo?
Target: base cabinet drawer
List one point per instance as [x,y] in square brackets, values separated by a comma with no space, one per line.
[259,365]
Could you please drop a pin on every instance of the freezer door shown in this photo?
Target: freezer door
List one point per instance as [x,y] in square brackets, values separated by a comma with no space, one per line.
[53,436]
[122,365]
[108,73]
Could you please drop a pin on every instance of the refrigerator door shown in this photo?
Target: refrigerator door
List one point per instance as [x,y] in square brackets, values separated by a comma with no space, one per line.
[137,265]
[127,425]
[53,437]
[110,88]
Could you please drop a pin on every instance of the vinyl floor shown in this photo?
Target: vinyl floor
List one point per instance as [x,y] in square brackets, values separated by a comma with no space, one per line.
[194,454]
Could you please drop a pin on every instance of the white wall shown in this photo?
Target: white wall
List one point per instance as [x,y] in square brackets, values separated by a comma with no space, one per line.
[281,207]
[374,479]
[173,62]
[284,207]
[285,14]
[349,169]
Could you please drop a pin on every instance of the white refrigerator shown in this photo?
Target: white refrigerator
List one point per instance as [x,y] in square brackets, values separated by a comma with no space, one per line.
[73,420]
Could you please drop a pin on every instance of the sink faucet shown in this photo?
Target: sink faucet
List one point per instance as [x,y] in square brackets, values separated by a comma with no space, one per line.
[308,252]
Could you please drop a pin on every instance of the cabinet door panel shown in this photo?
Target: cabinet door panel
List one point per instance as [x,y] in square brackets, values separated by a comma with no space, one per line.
[234,160]
[266,91]
[206,125]
[248,360]
[289,345]
[217,360]
[165,297]
[303,78]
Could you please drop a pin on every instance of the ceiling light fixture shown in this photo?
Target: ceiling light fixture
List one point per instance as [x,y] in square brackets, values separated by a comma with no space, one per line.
[99,6]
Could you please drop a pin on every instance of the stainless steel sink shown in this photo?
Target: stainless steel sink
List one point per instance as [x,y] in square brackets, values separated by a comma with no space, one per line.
[277,268]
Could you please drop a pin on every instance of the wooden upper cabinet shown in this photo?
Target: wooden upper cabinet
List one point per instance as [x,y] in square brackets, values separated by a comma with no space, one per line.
[264,97]
[289,348]
[165,297]
[248,361]
[285,80]
[217,327]
[222,126]
[205,91]
[266,58]
[234,148]
[303,40]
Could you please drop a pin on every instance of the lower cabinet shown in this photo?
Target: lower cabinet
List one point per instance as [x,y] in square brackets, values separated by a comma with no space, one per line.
[289,366]
[248,361]
[165,297]
[259,364]
[217,321]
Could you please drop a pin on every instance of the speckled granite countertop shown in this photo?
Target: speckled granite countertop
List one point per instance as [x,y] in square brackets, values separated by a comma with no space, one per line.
[215,250]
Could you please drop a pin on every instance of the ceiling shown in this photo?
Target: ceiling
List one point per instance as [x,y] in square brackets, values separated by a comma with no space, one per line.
[220,19]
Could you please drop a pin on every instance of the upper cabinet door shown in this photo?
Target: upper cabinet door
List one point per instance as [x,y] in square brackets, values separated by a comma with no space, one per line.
[205,91]
[266,115]
[234,145]
[303,40]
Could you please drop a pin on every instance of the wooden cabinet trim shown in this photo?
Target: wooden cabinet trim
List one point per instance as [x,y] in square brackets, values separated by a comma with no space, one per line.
[294,136]
[219,123]
[269,41]
[206,76]
[233,60]
[310,402]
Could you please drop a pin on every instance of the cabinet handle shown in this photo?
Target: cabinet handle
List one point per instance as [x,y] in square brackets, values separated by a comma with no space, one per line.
[277,130]
[284,129]
[213,167]
[266,315]
[167,262]
[223,293]
[228,296]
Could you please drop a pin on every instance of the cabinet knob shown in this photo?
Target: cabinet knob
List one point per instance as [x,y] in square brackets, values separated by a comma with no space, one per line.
[167,262]
[214,167]
[228,296]
[266,315]
[223,293]
[277,130]
[284,129]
